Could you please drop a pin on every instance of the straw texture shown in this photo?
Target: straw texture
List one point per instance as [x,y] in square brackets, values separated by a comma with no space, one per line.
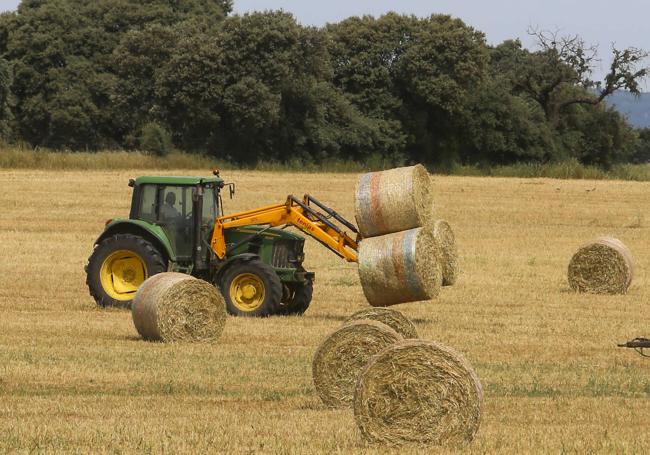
[341,357]
[394,319]
[177,307]
[393,200]
[400,267]
[604,266]
[418,392]
[447,252]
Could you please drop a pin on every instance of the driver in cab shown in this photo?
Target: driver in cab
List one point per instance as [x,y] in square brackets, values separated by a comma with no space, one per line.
[168,212]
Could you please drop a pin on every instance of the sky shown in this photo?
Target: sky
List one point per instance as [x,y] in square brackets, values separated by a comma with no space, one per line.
[599,22]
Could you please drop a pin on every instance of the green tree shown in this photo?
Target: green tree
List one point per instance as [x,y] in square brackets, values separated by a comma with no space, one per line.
[155,138]
[641,152]
[5,101]
[258,87]
[557,79]
[553,75]
[189,89]
[414,76]
[135,62]
[502,128]
[64,79]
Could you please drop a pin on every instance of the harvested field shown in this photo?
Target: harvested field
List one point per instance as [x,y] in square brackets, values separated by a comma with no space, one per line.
[78,379]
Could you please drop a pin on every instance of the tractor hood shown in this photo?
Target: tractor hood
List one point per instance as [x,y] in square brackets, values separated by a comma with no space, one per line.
[269,234]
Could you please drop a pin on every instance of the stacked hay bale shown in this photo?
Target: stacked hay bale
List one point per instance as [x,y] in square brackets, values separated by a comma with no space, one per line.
[341,357]
[394,319]
[393,200]
[405,256]
[603,266]
[447,251]
[400,267]
[402,391]
[174,307]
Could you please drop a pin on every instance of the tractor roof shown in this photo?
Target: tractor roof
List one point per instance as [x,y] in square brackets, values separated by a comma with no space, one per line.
[167,180]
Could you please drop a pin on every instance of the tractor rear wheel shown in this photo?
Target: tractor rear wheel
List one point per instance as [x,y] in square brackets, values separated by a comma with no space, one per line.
[298,300]
[251,289]
[118,266]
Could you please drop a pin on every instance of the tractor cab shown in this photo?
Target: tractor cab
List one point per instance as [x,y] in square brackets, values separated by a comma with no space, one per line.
[184,208]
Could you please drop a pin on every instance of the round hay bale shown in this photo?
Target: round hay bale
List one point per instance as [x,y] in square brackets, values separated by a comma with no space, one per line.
[341,357]
[177,307]
[393,319]
[448,254]
[604,266]
[418,392]
[393,200]
[400,267]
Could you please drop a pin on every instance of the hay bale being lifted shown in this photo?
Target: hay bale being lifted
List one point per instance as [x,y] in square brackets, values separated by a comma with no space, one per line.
[400,267]
[418,392]
[341,357]
[177,307]
[394,319]
[393,200]
[448,254]
[604,266]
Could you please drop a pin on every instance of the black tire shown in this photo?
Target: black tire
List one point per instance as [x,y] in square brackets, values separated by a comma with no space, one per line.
[236,302]
[300,295]
[152,260]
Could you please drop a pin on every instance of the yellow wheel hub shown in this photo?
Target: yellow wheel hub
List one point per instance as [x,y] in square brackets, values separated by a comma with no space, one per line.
[247,292]
[121,274]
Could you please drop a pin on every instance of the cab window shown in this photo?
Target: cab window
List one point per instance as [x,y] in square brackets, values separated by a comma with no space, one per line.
[148,203]
[209,207]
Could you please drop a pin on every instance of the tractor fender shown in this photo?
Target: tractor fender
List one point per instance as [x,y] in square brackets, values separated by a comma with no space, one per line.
[225,265]
[151,233]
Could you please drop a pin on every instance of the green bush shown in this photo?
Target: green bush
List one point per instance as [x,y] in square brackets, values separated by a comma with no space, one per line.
[155,139]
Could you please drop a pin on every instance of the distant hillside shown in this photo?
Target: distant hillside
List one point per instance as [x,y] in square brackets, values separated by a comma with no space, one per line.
[636,109]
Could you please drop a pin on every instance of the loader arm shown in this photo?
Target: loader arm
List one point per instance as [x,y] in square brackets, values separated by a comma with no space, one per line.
[296,213]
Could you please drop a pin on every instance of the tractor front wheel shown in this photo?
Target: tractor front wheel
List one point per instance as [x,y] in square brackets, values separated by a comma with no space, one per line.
[251,289]
[298,299]
[118,266]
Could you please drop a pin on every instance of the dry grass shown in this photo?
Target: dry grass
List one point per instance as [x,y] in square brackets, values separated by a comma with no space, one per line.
[78,379]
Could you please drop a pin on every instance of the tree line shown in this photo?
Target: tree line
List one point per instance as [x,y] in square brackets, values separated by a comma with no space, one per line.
[128,74]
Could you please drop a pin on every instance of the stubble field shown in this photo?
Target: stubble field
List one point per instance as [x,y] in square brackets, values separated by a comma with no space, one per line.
[76,378]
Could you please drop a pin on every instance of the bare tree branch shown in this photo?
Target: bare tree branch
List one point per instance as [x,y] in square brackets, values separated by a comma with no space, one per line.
[563,62]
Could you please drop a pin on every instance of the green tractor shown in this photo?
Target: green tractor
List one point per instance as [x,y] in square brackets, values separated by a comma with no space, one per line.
[171,228]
